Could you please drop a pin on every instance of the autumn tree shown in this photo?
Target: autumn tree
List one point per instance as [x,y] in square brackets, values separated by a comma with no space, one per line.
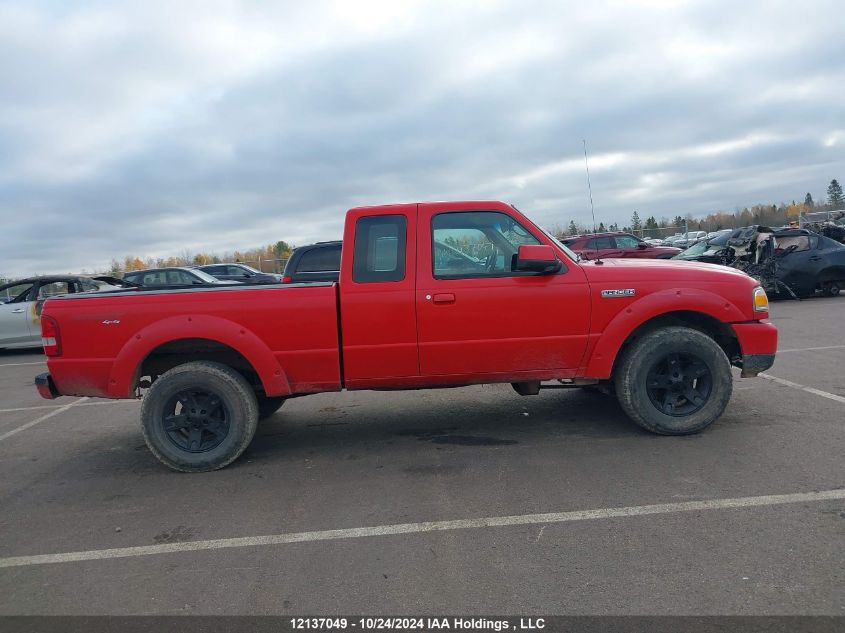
[794,210]
[133,263]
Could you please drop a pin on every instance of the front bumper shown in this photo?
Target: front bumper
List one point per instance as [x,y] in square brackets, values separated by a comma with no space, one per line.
[753,364]
[46,387]
[758,343]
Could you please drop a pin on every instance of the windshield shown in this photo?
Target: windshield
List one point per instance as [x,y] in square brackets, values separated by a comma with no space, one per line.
[721,239]
[574,256]
[692,251]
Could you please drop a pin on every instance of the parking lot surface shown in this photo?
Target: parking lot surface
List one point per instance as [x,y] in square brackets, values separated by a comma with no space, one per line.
[256,537]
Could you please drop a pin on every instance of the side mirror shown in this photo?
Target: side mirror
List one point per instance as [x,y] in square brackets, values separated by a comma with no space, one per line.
[642,245]
[537,258]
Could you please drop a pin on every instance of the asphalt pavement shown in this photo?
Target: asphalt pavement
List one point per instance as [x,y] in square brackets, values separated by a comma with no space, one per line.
[392,503]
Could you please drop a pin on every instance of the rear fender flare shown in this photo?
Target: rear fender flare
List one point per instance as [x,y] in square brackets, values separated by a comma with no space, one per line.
[600,363]
[128,361]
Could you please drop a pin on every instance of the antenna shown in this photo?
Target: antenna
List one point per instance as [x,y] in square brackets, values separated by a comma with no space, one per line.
[592,209]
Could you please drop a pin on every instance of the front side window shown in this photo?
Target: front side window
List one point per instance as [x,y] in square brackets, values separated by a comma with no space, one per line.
[627,241]
[379,254]
[53,289]
[476,243]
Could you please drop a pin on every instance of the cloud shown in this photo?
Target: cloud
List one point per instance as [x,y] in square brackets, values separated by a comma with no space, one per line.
[152,127]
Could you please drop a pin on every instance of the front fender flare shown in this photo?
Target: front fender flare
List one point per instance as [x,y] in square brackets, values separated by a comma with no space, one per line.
[128,361]
[600,362]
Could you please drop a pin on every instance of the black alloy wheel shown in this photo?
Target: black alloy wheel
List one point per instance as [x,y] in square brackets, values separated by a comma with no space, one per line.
[679,384]
[196,421]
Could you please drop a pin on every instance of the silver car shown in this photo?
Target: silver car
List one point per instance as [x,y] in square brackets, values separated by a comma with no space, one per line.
[21,301]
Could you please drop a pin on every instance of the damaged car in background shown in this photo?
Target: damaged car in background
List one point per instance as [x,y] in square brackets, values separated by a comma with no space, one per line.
[21,302]
[787,262]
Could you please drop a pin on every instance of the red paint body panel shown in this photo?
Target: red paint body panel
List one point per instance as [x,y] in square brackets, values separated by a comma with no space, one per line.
[288,334]
[412,332]
[498,325]
[378,320]
[756,338]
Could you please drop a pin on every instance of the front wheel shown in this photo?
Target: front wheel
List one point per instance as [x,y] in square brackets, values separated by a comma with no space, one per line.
[831,288]
[674,381]
[199,416]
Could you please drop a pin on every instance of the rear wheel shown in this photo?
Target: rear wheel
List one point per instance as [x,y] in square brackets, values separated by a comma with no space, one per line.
[199,416]
[674,381]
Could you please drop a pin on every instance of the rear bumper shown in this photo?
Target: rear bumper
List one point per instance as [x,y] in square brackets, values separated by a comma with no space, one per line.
[758,343]
[46,387]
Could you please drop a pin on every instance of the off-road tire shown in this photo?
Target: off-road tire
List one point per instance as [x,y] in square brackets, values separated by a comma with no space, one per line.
[633,370]
[234,393]
[268,405]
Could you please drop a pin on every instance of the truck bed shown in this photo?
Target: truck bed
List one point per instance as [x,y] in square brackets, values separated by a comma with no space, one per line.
[106,336]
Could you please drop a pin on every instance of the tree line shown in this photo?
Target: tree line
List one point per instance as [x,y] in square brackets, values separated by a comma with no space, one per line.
[280,250]
[765,214]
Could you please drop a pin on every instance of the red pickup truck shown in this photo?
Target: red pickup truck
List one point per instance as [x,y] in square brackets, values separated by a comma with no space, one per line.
[430,295]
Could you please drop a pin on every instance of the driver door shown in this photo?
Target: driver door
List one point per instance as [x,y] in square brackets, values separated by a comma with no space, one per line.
[477,316]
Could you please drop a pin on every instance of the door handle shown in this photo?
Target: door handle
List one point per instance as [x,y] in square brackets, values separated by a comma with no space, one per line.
[18,311]
[444,297]
[815,258]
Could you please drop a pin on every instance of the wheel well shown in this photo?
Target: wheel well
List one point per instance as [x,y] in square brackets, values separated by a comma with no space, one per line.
[719,331]
[186,350]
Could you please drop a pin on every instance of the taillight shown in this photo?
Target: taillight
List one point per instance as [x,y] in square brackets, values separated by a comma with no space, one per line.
[287,279]
[51,339]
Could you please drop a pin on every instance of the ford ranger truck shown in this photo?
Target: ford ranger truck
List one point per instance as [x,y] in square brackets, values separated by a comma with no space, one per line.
[429,295]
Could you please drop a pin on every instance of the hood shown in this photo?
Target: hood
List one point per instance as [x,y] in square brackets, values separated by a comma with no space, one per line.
[661,270]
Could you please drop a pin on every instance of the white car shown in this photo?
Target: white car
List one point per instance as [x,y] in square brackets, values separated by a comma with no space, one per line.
[21,301]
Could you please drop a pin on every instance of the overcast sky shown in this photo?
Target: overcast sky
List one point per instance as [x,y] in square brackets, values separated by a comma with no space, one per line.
[153,127]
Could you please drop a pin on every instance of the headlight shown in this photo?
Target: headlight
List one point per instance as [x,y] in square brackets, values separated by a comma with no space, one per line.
[761,301]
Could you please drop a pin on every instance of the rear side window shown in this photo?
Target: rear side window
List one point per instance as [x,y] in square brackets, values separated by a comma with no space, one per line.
[379,249]
[320,259]
[15,294]
[600,242]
